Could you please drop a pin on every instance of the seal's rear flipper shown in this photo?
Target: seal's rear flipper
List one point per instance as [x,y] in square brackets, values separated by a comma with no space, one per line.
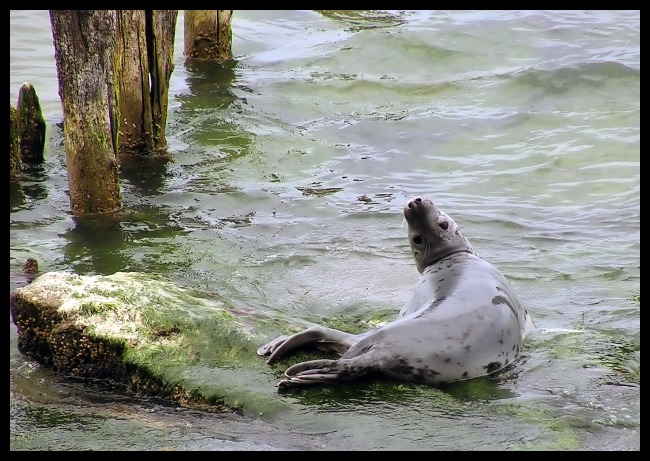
[321,372]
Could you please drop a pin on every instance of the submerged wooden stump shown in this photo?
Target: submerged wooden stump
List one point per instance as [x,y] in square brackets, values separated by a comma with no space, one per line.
[208,35]
[84,45]
[31,125]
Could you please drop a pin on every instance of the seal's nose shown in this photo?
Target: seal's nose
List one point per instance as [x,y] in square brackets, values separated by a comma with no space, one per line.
[415,200]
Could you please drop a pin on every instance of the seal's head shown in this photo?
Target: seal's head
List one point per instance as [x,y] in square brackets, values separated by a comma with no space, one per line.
[432,234]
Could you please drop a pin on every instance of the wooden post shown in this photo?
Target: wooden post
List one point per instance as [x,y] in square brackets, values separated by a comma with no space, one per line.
[224,35]
[85,53]
[14,146]
[135,133]
[208,35]
[145,50]
[31,125]
[161,66]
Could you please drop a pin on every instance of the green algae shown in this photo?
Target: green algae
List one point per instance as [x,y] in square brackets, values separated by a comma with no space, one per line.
[161,338]
[196,349]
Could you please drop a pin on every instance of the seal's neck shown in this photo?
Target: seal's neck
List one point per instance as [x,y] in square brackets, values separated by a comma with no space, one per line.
[439,254]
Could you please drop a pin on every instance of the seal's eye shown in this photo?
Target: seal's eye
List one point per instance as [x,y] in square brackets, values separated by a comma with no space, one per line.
[444,225]
[417,240]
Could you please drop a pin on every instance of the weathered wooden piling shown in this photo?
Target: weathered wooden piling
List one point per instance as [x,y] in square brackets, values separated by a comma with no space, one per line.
[85,53]
[161,58]
[208,35]
[114,68]
[145,50]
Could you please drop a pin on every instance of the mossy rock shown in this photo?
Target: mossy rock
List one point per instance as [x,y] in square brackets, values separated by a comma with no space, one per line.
[154,336]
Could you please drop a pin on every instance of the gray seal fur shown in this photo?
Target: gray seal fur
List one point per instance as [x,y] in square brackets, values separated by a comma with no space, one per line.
[463,321]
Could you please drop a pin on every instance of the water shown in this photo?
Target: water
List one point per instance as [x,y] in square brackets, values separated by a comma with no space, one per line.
[285,193]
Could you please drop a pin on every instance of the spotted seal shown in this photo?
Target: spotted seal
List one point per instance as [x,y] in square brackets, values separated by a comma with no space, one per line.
[463,321]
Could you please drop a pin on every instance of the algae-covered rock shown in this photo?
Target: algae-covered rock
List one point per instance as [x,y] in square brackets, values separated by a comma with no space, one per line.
[150,334]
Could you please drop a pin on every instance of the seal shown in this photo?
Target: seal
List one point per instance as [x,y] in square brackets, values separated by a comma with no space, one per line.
[463,321]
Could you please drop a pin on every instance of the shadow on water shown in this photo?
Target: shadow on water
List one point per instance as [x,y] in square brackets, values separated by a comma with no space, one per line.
[132,240]
[17,196]
[213,116]
[380,390]
[147,174]
[210,86]
[29,188]
[95,244]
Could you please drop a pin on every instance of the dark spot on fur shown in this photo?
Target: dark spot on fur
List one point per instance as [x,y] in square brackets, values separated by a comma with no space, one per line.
[441,280]
[418,375]
[499,300]
[467,348]
[437,302]
[502,300]
[447,360]
[492,367]
[501,341]
[403,368]
[465,374]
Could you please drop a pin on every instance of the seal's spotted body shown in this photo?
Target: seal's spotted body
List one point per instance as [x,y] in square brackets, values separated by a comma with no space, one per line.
[463,321]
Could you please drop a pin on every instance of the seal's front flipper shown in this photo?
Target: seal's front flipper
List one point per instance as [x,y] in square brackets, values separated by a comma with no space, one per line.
[321,372]
[327,338]
[269,347]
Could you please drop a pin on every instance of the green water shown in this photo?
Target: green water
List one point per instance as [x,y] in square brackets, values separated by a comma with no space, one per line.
[285,191]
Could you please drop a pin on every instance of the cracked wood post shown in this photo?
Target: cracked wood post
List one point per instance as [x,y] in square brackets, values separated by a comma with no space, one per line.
[145,46]
[85,54]
[208,35]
